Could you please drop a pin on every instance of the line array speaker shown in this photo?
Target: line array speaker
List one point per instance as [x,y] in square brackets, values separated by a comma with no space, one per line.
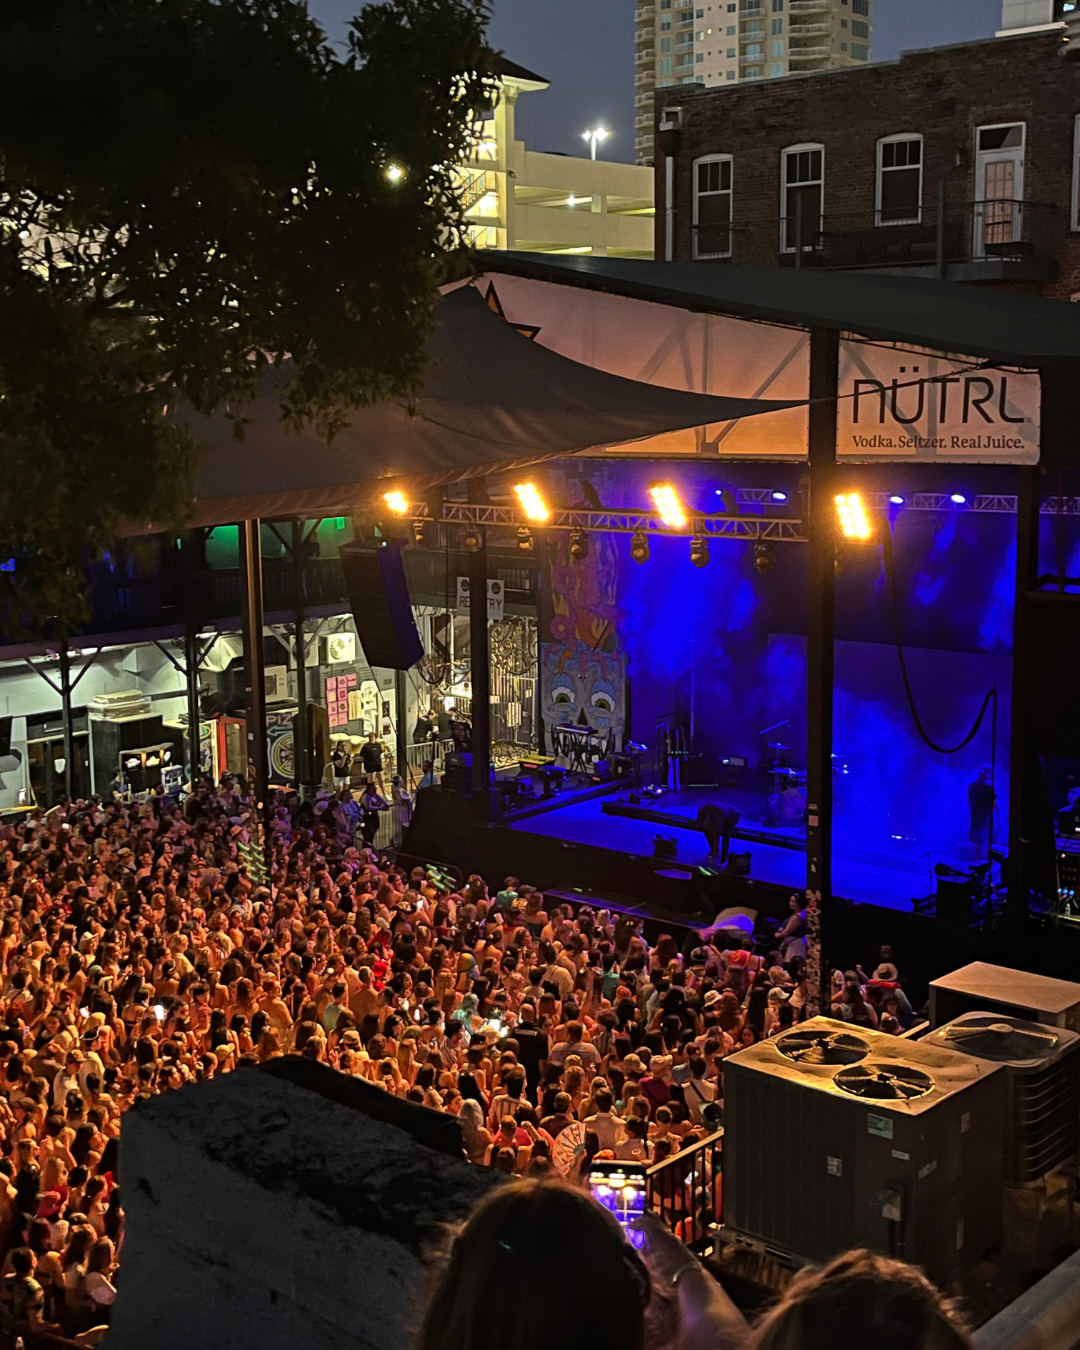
[379,598]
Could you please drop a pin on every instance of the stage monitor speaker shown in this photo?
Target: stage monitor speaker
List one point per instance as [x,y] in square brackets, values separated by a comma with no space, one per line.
[457,775]
[955,893]
[5,735]
[379,599]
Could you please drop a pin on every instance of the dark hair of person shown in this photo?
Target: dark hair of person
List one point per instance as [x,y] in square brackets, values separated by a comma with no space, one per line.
[509,1256]
[861,1299]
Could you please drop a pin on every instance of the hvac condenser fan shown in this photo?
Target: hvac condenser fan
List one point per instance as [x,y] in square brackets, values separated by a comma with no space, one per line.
[989,1037]
[823,1047]
[884,1082]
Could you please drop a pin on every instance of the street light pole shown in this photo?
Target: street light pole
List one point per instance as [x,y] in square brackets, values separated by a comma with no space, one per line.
[597,135]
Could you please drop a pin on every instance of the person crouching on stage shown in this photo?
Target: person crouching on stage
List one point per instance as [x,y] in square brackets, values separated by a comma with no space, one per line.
[717,823]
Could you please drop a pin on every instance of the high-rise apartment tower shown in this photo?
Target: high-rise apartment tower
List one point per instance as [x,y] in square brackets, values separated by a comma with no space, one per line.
[715,42]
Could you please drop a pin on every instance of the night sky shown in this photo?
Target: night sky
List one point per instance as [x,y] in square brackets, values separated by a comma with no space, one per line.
[587,52]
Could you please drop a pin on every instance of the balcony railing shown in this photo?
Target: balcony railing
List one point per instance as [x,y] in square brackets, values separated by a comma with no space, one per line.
[808,30]
[808,6]
[644,77]
[685,1190]
[645,56]
[809,53]
[645,34]
[1001,230]
[644,12]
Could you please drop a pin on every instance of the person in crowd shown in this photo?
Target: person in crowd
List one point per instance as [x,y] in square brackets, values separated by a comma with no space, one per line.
[518,1246]
[371,757]
[860,1299]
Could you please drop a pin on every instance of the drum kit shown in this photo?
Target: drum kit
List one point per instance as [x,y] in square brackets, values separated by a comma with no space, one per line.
[787,800]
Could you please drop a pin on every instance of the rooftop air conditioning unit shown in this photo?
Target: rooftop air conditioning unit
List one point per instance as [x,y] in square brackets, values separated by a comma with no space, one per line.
[980,987]
[340,647]
[837,1139]
[1042,1086]
[276,683]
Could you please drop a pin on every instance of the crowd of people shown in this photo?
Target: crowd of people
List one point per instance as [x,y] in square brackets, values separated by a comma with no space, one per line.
[138,953]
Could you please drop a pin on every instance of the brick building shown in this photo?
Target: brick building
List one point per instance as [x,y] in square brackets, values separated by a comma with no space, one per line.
[957,161]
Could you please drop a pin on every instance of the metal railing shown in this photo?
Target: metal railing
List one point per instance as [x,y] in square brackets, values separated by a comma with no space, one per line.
[979,231]
[685,1191]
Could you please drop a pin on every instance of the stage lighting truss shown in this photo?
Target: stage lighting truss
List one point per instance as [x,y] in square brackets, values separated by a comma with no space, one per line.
[766,527]
[787,529]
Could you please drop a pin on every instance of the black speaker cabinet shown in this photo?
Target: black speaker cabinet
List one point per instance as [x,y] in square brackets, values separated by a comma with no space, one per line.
[379,599]
[1049,646]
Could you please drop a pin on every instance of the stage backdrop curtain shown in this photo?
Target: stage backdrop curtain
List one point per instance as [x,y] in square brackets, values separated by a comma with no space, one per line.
[493,398]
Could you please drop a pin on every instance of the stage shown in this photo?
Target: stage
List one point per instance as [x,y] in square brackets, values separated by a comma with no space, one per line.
[777,854]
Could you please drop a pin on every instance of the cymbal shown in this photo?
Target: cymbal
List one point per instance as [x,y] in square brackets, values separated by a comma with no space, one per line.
[775,745]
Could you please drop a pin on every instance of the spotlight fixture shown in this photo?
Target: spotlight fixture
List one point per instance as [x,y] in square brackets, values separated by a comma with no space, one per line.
[896,499]
[852,516]
[420,531]
[699,551]
[958,499]
[639,547]
[394,174]
[531,502]
[525,541]
[669,508]
[397,502]
[762,558]
[579,545]
[473,540]
[779,496]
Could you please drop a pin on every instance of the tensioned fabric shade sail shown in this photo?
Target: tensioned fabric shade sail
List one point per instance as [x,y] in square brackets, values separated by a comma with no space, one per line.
[492,399]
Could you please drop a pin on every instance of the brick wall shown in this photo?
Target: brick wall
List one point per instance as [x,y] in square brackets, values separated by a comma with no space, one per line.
[943,93]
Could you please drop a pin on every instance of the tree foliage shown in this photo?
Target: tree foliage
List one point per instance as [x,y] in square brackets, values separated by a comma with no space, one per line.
[190,191]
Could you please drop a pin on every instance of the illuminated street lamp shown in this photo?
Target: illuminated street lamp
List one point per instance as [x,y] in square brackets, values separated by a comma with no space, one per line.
[595,137]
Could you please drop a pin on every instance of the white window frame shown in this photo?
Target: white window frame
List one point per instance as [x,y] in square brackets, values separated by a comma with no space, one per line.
[916,219]
[791,150]
[714,159]
[1074,222]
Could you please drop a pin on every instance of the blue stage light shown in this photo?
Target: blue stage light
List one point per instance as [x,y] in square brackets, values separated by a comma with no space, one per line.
[779,496]
[896,499]
[958,499]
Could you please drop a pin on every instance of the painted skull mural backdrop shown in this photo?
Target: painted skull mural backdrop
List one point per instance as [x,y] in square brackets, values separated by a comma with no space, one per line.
[582,658]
